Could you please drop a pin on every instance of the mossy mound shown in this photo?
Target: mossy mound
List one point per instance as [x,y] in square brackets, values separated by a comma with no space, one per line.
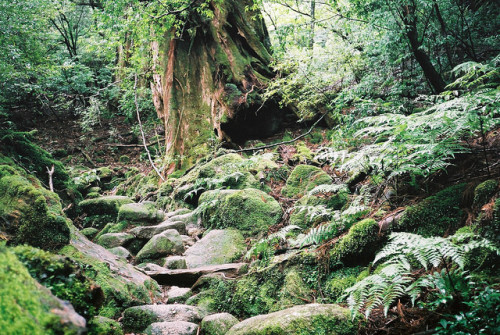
[251,211]
[216,247]
[218,324]
[100,325]
[436,215]
[140,213]
[304,320]
[32,214]
[28,308]
[484,191]
[19,146]
[63,276]
[359,245]
[303,179]
[102,210]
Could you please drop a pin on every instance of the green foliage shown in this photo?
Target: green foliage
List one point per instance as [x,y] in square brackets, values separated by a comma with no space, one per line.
[264,248]
[405,253]
[482,316]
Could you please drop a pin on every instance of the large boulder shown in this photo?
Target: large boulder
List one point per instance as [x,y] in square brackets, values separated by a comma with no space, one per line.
[122,284]
[218,324]
[217,247]
[250,210]
[30,213]
[148,232]
[29,308]
[303,179]
[113,240]
[140,317]
[170,328]
[304,320]
[102,210]
[140,213]
[167,243]
[106,205]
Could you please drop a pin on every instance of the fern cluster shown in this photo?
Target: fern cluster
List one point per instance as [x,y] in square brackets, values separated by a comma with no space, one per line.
[420,143]
[401,257]
[204,184]
[340,222]
[264,248]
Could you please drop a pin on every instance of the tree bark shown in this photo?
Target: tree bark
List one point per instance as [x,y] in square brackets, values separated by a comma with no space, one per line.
[208,79]
[431,74]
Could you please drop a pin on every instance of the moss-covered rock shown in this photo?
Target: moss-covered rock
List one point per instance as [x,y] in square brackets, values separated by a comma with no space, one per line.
[251,211]
[28,308]
[31,157]
[359,245]
[167,243]
[89,233]
[63,276]
[122,285]
[101,325]
[113,240]
[218,324]
[102,210]
[303,179]
[340,280]
[140,317]
[484,191]
[217,247]
[436,215]
[32,214]
[140,213]
[106,205]
[300,320]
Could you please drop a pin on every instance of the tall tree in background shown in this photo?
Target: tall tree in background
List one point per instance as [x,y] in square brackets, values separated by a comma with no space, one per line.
[209,74]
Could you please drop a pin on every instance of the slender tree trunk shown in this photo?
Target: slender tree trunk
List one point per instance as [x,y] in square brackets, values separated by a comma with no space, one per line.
[313,24]
[431,74]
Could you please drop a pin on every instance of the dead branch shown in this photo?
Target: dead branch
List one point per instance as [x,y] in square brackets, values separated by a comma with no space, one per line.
[142,131]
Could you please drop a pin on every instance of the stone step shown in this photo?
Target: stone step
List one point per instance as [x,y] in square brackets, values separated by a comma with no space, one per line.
[187,277]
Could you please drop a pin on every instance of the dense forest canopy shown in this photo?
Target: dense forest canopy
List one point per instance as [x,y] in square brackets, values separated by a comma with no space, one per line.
[296,167]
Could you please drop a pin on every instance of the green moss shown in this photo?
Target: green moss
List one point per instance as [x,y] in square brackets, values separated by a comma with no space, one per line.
[358,245]
[22,307]
[102,210]
[436,215]
[303,179]
[338,281]
[136,319]
[19,146]
[484,191]
[249,210]
[118,292]
[304,154]
[34,214]
[62,276]
[113,227]
[300,216]
[100,325]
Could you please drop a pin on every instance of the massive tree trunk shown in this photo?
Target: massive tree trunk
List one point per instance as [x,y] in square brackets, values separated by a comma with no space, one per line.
[209,79]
